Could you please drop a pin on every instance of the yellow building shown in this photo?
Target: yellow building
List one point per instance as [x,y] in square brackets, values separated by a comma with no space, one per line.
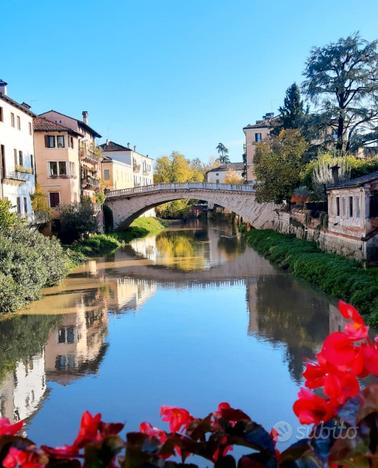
[116,174]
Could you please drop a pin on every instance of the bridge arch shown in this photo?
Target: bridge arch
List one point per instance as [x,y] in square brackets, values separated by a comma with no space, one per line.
[128,204]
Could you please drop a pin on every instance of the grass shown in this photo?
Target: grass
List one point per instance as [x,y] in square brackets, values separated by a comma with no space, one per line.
[103,244]
[337,276]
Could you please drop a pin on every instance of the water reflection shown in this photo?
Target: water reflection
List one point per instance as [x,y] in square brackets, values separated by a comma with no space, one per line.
[65,336]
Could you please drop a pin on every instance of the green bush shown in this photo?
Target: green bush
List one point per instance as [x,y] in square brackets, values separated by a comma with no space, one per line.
[29,262]
[77,220]
[335,275]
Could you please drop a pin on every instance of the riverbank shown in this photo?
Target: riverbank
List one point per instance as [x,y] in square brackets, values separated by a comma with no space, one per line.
[103,244]
[335,275]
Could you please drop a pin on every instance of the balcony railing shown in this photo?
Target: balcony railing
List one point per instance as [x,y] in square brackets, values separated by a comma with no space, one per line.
[88,181]
[16,176]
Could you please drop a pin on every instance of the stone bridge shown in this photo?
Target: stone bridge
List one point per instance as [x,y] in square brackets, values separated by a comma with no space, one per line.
[129,204]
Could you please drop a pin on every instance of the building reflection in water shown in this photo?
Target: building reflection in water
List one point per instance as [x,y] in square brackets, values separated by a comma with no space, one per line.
[64,335]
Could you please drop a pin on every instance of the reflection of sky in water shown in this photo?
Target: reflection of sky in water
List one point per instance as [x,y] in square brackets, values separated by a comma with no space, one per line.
[179,332]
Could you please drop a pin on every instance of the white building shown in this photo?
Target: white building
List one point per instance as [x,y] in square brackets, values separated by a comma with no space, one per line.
[17,164]
[141,165]
[220,174]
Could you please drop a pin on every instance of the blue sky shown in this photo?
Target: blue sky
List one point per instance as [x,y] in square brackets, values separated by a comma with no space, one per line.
[168,74]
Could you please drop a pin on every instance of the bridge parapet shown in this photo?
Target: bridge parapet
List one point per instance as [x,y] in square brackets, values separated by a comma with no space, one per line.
[181,186]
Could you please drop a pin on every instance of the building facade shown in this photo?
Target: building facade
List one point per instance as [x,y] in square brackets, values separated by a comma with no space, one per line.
[17,164]
[255,134]
[220,174]
[353,212]
[89,155]
[117,166]
[57,162]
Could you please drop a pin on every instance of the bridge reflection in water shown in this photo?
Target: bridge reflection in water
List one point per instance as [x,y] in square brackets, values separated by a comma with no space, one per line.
[63,337]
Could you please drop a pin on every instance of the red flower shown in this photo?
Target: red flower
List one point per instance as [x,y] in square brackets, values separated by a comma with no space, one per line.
[357,330]
[350,313]
[339,351]
[151,431]
[7,428]
[315,374]
[311,408]
[223,449]
[89,427]
[370,353]
[341,386]
[177,418]
[27,459]
[67,451]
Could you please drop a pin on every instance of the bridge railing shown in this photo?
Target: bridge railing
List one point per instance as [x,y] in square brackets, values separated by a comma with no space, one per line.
[182,186]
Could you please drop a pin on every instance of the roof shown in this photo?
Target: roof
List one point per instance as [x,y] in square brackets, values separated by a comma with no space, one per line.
[237,166]
[80,123]
[356,182]
[264,123]
[23,107]
[41,124]
[112,146]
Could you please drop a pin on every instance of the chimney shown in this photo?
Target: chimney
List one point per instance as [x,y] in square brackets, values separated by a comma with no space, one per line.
[107,141]
[3,87]
[85,117]
[134,147]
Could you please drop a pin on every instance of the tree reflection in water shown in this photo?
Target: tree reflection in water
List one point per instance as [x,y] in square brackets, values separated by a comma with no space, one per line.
[283,310]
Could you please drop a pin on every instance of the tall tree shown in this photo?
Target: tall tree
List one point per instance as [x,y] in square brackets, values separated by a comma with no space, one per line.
[223,153]
[278,163]
[342,79]
[292,112]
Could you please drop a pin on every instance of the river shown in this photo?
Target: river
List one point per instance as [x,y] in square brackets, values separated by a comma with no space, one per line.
[189,317]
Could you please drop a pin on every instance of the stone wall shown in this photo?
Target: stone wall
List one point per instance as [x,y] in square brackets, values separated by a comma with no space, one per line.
[327,241]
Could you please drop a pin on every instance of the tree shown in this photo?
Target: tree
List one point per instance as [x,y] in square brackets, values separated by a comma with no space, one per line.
[223,153]
[233,177]
[342,78]
[163,171]
[293,112]
[278,164]
[76,221]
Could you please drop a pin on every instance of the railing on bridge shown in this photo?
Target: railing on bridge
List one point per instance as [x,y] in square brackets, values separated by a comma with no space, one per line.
[183,186]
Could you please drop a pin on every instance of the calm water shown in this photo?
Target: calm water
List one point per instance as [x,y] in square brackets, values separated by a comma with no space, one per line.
[190,317]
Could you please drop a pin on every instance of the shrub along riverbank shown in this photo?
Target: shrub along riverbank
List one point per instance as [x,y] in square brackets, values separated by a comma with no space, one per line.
[335,275]
[103,244]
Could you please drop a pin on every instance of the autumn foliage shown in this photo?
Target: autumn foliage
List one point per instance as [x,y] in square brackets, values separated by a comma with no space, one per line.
[339,401]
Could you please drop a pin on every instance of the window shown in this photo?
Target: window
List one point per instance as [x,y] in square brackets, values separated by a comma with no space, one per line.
[358,213]
[32,163]
[20,158]
[71,142]
[62,166]
[1,115]
[106,174]
[350,207]
[30,129]
[343,207]
[25,205]
[50,141]
[12,119]
[3,167]
[258,137]
[18,122]
[54,199]
[337,206]
[53,168]
[60,141]
[18,205]
[15,157]
[72,168]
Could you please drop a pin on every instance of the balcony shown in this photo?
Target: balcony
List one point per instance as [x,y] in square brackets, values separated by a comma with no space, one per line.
[15,177]
[90,183]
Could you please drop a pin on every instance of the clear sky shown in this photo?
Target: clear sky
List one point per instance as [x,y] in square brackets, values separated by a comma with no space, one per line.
[168,74]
